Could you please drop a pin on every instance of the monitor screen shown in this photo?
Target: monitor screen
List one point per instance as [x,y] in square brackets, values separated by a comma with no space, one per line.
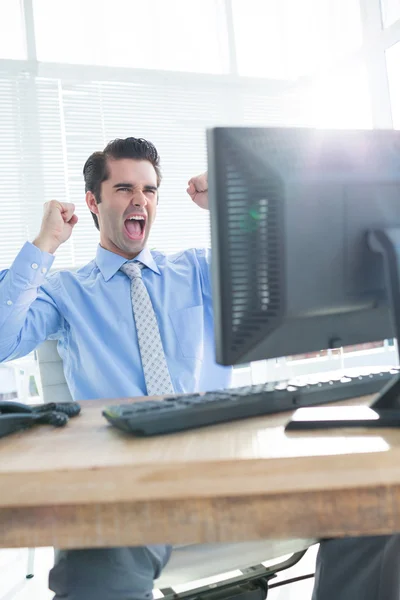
[291,209]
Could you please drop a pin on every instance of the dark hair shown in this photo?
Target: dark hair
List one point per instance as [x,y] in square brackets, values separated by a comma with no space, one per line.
[96,170]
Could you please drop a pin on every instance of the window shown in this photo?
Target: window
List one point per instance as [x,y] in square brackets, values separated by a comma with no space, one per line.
[16,170]
[172,35]
[340,100]
[77,97]
[292,38]
[390,11]
[393,66]
[12,43]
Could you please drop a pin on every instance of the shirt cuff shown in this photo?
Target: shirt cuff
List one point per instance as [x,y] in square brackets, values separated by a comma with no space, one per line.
[32,265]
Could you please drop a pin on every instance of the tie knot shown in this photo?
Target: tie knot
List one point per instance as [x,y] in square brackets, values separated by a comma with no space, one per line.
[132,269]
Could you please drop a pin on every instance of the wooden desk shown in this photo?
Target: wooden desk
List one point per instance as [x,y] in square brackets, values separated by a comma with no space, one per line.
[91,485]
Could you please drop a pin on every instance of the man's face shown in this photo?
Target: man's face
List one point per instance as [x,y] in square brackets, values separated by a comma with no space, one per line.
[128,206]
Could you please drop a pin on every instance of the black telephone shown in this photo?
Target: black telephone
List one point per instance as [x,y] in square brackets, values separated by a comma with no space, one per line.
[15,416]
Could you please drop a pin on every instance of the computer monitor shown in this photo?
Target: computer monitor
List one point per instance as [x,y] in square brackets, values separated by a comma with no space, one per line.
[295,267]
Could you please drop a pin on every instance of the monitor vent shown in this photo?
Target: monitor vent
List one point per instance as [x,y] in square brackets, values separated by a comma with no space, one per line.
[254,231]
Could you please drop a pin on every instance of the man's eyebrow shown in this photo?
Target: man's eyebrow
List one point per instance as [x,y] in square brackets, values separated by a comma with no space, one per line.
[131,186]
[122,185]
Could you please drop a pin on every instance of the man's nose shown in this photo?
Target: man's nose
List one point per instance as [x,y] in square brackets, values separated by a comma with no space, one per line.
[139,199]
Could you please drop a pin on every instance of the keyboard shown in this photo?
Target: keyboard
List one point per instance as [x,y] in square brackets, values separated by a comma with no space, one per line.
[189,411]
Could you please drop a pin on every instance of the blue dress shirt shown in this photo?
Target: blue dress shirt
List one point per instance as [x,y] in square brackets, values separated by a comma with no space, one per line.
[89,312]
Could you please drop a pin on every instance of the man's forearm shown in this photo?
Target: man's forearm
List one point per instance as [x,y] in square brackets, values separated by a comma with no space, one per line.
[45,245]
[18,290]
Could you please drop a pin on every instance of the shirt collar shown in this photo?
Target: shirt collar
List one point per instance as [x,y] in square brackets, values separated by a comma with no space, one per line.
[109,262]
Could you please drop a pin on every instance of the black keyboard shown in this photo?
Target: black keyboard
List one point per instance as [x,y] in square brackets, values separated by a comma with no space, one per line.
[181,412]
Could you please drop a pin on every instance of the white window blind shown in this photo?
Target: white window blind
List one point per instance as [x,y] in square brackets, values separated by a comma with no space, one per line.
[393,69]
[54,124]
[14,169]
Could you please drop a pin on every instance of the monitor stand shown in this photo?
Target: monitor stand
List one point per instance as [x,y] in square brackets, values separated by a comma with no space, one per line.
[387,243]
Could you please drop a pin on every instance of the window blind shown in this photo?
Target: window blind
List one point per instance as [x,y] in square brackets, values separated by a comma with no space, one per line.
[14,217]
[50,126]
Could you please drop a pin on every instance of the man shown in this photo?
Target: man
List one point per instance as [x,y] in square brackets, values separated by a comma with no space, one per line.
[101,316]
[93,316]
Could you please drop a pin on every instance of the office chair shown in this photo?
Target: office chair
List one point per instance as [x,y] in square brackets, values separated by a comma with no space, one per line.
[242,562]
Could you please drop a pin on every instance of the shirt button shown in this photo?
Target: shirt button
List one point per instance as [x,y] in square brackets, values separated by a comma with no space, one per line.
[34,265]
[44,270]
[9,302]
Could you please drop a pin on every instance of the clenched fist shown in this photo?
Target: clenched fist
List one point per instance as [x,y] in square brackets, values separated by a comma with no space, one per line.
[198,190]
[58,221]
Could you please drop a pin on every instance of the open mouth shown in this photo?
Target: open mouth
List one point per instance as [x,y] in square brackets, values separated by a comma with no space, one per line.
[135,226]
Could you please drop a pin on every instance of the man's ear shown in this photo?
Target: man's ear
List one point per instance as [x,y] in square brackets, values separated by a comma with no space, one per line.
[91,202]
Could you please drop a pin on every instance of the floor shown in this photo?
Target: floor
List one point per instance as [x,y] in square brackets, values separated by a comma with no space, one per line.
[14,585]
[13,567]
[301,590]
